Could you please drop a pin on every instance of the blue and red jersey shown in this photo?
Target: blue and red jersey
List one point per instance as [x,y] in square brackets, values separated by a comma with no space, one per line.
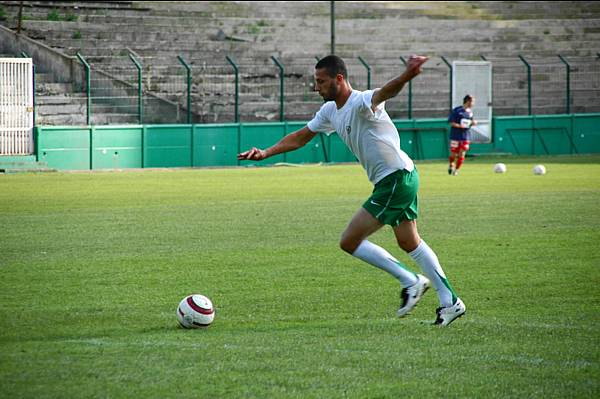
[463,117]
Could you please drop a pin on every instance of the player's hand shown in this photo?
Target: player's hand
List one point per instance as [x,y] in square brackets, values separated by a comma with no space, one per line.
[253,154]
[415,62]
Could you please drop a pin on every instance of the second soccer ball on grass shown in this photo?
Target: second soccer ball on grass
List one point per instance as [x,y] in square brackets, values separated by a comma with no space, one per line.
[539,170]
[499,168]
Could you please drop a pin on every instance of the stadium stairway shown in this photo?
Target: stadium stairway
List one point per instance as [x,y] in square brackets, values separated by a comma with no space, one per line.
[297,32]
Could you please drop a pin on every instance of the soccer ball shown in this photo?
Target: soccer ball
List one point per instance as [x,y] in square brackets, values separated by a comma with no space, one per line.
[539,170]
[195,311]
[500,168]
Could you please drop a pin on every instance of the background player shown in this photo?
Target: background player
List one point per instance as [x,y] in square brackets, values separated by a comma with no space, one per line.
[461,120]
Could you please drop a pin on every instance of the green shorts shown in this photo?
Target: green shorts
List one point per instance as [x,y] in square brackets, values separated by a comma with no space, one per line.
[394,198]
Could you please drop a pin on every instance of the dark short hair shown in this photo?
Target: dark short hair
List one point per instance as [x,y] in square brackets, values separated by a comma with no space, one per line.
[334,65]
[467,98]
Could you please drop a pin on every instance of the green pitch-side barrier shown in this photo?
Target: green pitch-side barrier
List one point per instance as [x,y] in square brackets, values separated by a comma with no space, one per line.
[164,146]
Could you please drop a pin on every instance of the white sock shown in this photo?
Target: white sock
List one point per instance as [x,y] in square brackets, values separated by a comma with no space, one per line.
[379,257]
[429,263]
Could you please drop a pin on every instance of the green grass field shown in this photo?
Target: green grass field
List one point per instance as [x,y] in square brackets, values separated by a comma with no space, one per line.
[93,265]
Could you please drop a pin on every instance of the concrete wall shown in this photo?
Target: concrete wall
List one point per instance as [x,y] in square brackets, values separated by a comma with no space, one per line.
[62,67]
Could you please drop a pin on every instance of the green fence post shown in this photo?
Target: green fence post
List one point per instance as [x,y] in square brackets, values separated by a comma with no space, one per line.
[189,88]
[319,59]
[321,134]
[237,88]
[482,57]
[25,55]
[362,61]
[409,92]
[143,146]
[450,78]
[91,147]
[528,83]
[87,88]
[140,93]
[332,18]
[281,83]
[568,83]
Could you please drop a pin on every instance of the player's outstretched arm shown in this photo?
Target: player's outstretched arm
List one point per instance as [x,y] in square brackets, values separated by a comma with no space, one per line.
[291,142]
[393,87]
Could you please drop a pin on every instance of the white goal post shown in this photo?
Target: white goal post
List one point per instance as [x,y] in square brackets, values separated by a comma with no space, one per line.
[16,106]
[475,78]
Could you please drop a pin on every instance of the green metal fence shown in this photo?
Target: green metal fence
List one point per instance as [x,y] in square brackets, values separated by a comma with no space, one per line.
[114,89]
[213,91]
[125,88]
[584,83]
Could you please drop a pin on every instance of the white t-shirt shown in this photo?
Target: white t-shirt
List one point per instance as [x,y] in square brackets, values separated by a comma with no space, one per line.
[372,137]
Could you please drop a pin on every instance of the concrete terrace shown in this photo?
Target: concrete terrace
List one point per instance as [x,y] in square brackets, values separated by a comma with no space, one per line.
[203,33]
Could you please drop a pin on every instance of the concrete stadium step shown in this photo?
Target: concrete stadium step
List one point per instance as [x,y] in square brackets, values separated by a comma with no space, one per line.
[100,27]
[43,7]
[114,119]
[109,47]
[44,88]
[41,77]
[62,120]
[187,54]
[119,5]
[54,109]
[22,163]
[60,99]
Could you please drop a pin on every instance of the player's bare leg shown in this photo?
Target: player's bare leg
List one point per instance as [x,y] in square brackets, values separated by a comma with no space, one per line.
[361,226]
[459,161]
[453,156]
[451,159]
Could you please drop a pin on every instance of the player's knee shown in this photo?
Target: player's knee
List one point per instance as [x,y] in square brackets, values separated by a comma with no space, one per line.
[408,244]
[348,245]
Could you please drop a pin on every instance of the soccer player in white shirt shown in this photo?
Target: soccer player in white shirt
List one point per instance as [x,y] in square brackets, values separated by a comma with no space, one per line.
[360,119]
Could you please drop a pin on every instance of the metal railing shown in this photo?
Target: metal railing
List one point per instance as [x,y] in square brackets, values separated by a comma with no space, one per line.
[139,89]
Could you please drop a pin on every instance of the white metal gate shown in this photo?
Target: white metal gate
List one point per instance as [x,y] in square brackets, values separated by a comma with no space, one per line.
[475,78]
[16,106]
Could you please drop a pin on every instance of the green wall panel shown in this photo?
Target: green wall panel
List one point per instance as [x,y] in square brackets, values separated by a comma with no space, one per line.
[313,152]
[513,134]
[167,146]
[586,133]
[553,134]
[116,147]
[339,151]
[64,148]
[424,139]
[262,135]
[216,145]
[432,138]
[408,137]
